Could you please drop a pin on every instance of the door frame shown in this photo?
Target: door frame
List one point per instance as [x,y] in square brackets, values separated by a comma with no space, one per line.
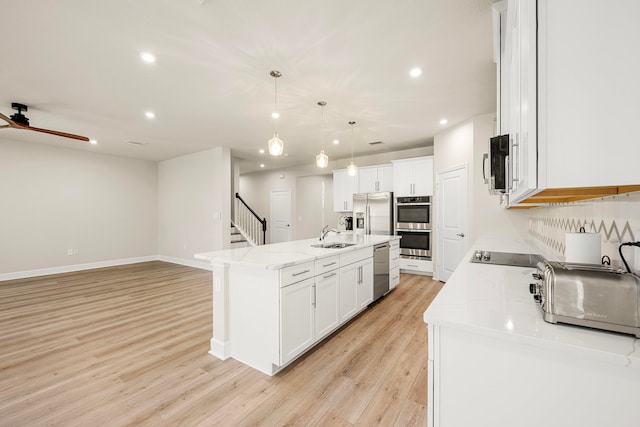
[437,255]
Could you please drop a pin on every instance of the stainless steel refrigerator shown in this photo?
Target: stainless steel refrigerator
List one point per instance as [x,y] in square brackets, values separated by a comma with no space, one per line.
[373,213]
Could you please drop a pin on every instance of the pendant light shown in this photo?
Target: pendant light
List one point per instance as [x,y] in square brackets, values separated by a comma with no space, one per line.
[352,169]
[322,160]
[276,145]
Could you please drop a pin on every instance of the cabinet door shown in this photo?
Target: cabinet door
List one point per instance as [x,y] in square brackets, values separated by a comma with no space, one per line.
[365,284]
[423,177]
[327,316]
[349,277]
[296,319]
[523,120]
[403,179]
[368,179]
[385,178]
[344,186]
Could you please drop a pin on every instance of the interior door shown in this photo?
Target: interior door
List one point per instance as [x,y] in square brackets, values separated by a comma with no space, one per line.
[280,230]
[451,220]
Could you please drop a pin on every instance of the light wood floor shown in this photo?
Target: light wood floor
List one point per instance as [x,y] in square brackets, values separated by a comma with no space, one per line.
[128,346]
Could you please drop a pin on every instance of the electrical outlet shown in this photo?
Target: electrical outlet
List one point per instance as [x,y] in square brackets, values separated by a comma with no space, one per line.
[76,251]
[69,251]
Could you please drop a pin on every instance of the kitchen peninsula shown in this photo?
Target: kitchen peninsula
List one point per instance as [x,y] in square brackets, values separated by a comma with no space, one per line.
[272,303]
[493,360]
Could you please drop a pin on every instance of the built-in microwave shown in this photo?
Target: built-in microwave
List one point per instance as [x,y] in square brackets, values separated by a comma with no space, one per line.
[499,179]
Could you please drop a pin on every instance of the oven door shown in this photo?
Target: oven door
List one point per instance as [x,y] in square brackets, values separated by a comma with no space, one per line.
[415,243]
[413,216]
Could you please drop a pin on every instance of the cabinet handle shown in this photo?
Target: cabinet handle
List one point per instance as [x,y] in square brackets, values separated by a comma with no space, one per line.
[314,295]
[327,265]
[302,272]
[326,276]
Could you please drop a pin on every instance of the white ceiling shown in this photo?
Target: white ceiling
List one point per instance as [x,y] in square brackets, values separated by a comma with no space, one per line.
[75,64]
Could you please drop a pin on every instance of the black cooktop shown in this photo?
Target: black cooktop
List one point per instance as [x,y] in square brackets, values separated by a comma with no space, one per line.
[506,258]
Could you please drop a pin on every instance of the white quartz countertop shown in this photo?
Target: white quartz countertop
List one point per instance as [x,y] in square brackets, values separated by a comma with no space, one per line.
[494,300]
[279,255]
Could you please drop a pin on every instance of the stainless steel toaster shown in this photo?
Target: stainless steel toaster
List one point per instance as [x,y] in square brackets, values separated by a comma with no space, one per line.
[588,295]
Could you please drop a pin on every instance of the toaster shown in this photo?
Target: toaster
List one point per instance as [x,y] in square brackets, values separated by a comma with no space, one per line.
[588,295]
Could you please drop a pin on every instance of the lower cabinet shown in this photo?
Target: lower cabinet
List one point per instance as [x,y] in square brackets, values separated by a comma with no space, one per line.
[365,284]
[356,288]
[327,316]
[321,298]
[297,330]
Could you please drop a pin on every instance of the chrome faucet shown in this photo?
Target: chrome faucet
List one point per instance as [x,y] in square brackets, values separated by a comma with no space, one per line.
[324,232]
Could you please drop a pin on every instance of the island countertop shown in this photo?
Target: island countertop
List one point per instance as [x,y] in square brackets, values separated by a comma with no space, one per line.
[494,300]
[279,255]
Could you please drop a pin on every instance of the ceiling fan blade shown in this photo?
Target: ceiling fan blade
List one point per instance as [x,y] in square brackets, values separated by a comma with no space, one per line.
[55,132]
[8,120]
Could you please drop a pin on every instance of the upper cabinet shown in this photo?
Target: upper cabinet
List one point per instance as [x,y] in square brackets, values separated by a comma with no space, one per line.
[568,97]
[413,177]
[375,178]
[344,186]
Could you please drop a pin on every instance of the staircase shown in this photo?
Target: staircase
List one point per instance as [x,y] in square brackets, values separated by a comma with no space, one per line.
[237,239]
[247,229]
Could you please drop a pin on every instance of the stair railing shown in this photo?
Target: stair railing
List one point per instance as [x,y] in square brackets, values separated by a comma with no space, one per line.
[249,222]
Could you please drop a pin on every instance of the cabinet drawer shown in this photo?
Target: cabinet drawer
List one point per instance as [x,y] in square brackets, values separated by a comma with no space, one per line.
[296,273]
[394,258]
[355,256]
[416,265]
[394,244]
[323,265]
[394,277]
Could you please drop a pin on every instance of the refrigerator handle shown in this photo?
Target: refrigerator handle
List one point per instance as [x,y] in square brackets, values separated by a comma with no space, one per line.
[368,220]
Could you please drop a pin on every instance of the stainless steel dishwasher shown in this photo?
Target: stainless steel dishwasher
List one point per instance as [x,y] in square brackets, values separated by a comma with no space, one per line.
[380,270]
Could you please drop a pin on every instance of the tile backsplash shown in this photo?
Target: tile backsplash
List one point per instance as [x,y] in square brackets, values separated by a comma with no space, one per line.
[616,218]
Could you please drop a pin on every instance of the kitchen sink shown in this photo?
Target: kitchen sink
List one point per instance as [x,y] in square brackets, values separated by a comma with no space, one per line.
[335,245]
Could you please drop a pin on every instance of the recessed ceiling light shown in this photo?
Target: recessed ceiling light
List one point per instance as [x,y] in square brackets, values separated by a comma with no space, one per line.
[443,121]
[150,114]
[261,165]
[93,141]
[336,141]
[148,57]
[261,151]
[275,115]
[415,72]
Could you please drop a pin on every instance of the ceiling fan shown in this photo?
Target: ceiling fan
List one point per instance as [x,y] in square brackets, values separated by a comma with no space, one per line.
[20,121]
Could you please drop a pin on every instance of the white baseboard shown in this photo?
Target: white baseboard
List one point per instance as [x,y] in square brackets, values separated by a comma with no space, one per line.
[100,264]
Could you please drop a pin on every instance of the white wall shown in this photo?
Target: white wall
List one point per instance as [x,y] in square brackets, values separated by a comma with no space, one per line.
[53,199]
[314,206]
[194,204]
[464,145]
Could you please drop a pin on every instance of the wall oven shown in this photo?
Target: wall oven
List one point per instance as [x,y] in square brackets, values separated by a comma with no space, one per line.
[413,224]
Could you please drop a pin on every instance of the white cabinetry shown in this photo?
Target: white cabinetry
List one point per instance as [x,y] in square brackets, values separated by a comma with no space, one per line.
[296,318]
[569,117]
[344,186]
[413,177]
[365,283]
[326,296]
[356,282]
[375,178]
[394,263]
[517,65]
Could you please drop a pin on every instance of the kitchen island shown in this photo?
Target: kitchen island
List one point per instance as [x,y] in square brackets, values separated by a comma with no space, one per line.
[272,303]
[493,360]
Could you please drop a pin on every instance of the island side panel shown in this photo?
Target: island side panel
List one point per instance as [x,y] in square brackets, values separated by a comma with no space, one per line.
[254,306]
[220,339]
